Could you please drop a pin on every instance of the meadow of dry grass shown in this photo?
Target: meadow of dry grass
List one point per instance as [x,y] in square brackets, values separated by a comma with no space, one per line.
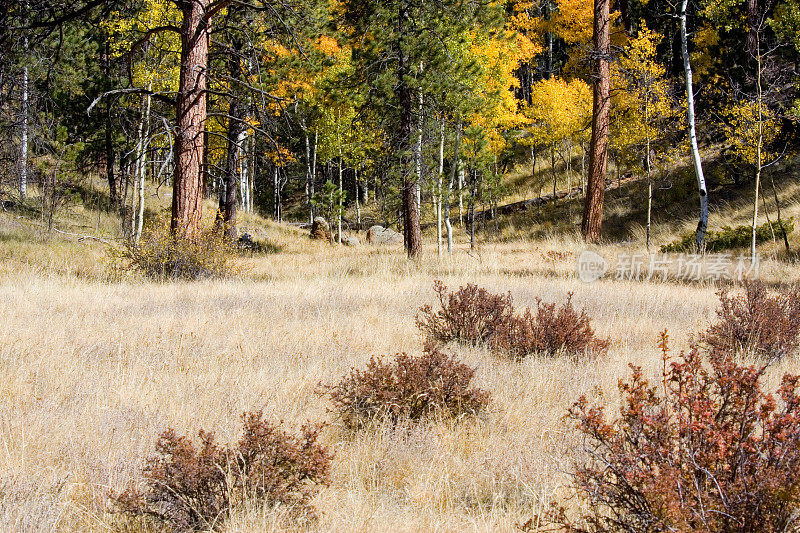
[92,371]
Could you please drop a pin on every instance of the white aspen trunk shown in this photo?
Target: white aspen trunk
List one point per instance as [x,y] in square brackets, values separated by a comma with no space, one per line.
[366,190]
[698,164]
[647,170]
[418,154]
[358,199]
[23,163]
[308,175]
[241,163]
[251,174]
[758,149]
[439,192]
[453,174]
[341,164]
[553,169]
[275,192]
[583,167]
[461,182]
[137,169]
[142,161]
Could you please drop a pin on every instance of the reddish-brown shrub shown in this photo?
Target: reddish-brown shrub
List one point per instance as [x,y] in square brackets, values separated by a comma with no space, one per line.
[470,315]
[757,322]
[474,316]
[704,450]
[412,388]
[189,487]
[551,330]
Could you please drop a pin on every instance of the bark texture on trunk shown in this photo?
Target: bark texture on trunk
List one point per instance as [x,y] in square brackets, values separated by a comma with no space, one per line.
[190,112]
[412,232]
[598,153]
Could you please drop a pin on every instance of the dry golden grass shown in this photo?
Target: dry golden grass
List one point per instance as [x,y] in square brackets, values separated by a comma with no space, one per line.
[92,371]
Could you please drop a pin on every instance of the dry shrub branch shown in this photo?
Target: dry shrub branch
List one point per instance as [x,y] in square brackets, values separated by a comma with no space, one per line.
[190,487]
[472,315]
[410,388]
[704,450]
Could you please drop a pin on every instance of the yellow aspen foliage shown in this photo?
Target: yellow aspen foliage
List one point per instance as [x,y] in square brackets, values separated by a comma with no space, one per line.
[528,29]
[159,68]
[573,21]
[560,110]
[641,99]
[280,156]
[498,109]
[742,130]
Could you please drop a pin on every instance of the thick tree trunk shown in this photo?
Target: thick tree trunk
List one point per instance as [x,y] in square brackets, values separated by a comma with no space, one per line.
[190,112]
[412,231]
[598,152]
[753,16]
[702,225]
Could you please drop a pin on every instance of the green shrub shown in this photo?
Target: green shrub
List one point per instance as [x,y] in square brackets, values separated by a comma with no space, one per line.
[730,238]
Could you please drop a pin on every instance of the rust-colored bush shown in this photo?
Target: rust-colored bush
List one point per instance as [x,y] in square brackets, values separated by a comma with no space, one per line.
[552,329]
[756,322]
[704,450]
[410,388]
[475,316]
[471,315]
[192,487]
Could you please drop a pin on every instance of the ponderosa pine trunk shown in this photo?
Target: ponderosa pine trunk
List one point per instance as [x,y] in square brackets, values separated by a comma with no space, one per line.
[190,112]
[702,225]
[591,225]
[412,232]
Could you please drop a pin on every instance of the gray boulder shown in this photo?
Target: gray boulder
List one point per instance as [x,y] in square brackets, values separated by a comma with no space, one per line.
[320,230]
[381,235]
